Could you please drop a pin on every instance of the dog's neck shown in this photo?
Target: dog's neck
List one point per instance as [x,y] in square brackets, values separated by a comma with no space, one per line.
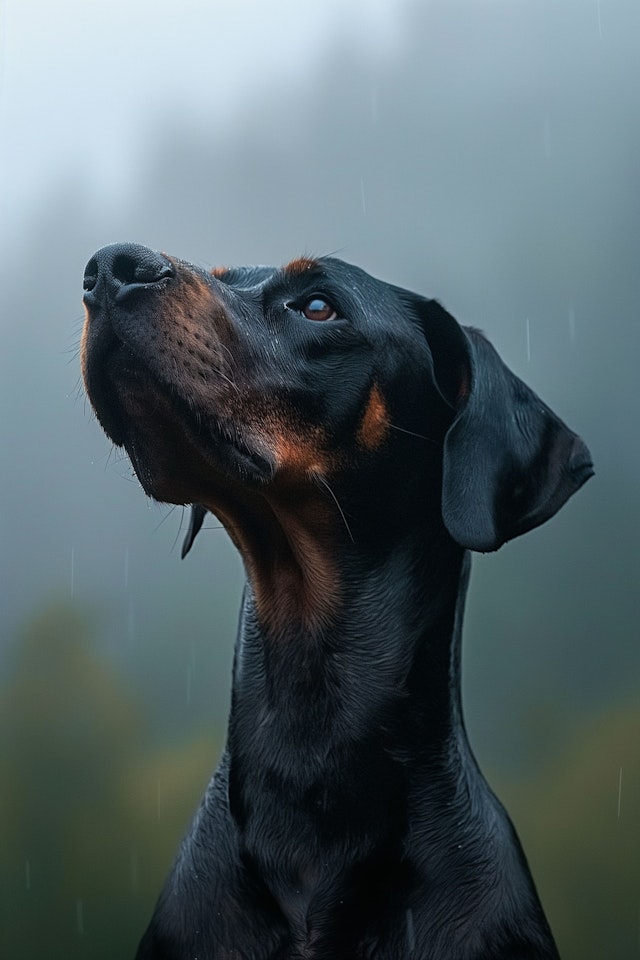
[339,740]
[378,685]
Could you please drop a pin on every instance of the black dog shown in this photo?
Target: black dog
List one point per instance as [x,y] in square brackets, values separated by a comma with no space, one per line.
[355,442]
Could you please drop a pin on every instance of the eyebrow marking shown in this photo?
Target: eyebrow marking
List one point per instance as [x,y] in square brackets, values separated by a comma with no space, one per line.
[300,265]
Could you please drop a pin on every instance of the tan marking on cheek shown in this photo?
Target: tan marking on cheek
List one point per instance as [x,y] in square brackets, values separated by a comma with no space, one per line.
[300,265]
[299,451]
[219,271]
[375,423]
[299,455]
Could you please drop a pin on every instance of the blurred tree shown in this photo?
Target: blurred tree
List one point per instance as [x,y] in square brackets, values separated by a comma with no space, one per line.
[579,821]
[90,815]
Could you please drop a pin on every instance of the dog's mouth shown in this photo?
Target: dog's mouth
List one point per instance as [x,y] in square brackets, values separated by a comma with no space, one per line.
[179,454]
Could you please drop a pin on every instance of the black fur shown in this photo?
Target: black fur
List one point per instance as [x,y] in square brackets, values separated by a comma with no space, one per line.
[356,442]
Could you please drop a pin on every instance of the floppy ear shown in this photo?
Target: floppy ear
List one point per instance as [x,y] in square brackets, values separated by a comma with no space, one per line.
[509,462]
[196,519]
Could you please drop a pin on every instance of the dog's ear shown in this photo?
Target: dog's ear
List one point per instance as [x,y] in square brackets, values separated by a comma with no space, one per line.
[509,462]
[198,513]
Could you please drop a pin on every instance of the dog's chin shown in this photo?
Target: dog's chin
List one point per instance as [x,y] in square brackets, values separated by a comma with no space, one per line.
[172,468]
[178,455]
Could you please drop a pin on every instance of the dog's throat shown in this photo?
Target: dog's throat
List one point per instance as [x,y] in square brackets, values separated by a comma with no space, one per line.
[288,552]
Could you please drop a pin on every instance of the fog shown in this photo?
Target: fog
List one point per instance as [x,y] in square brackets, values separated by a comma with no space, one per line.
[484,153]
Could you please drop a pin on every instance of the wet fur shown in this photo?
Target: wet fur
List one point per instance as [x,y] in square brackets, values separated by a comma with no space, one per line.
[355,463]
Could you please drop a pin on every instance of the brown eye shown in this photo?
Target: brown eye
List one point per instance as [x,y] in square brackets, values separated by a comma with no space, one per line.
[318,309]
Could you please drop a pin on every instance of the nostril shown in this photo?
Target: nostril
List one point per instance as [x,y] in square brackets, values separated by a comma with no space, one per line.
[149,268]
[90,274]
[124,268]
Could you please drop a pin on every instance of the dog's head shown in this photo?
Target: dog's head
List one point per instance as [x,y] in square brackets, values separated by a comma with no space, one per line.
[314,383]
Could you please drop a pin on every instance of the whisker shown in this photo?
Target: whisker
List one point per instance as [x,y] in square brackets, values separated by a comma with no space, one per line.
[219,372]
[166,517]
[179,530]
[218,368]
[320,479]
[412,433]
[226,349]
[77,392]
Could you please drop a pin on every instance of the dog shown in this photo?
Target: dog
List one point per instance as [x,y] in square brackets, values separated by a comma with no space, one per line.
[356,443]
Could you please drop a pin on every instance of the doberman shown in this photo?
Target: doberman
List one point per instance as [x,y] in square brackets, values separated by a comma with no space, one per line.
[356,442]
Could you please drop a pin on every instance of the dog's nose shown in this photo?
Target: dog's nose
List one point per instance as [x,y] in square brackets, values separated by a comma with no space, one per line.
[121,268]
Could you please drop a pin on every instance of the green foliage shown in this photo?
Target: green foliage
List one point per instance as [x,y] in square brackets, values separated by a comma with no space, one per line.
[90,815]
[579,822]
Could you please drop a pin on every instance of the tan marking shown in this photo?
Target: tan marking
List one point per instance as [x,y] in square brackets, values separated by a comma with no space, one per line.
[287,551]
[300,456]
[190,299]
[375,423]
[219,271]
[289,535]
[299,450]
[300,265]
[307,586]
[196,332]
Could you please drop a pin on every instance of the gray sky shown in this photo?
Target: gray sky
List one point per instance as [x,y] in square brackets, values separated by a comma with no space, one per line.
[84,81]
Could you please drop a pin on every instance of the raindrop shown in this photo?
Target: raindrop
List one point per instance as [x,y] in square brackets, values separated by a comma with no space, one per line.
[374,104]
[159,800]
[620,794]
[547,138]
[126,568]
[363,198]
[572,324]
[599,17]
[134,872]
[131,622]
[27,874]
[79,917]
[73,570]
[528,330]
[188,684]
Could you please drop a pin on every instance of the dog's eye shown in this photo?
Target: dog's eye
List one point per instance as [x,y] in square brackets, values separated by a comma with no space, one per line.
[318,309]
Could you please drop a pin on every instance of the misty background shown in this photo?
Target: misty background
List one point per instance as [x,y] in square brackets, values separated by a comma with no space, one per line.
[486,153]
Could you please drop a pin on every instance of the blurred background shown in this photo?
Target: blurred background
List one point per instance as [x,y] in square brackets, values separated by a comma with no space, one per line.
[486,153]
